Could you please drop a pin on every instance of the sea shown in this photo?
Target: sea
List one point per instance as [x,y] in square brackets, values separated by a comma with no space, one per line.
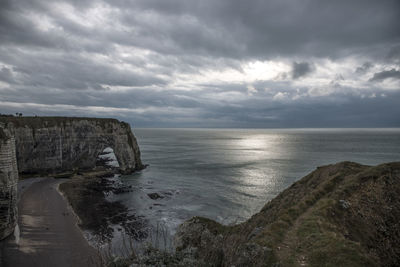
[229,174]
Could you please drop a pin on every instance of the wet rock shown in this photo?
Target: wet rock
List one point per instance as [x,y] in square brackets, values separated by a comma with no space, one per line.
[122,189]
[167,193]
[87,197]
[154,196]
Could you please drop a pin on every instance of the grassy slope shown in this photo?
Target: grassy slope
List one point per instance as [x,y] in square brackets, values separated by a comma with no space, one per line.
[345,214]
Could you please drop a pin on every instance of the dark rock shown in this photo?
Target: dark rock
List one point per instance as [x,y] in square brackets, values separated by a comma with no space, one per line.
[154,196]
[87,197]
[122,190]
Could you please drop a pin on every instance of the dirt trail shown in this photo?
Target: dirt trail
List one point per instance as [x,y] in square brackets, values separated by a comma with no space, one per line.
[49,235]
[290,243]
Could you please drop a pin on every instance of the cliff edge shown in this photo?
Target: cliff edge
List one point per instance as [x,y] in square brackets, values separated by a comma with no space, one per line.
[344,214]
[8,183]
[54,144]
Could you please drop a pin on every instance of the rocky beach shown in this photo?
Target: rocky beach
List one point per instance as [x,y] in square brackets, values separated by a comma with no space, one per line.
[62,148]
[87,194]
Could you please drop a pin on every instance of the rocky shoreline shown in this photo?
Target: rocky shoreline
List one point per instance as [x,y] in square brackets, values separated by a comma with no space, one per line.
[87,194]
[344,214]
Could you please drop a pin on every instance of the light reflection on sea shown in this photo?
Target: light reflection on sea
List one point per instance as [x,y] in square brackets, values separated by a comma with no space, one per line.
[228,175]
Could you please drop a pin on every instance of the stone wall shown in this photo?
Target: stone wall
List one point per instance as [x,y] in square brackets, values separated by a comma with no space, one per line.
[8,182]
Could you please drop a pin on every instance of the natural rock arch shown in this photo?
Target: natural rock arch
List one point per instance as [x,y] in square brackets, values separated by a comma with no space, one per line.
[107,158]
[52,144]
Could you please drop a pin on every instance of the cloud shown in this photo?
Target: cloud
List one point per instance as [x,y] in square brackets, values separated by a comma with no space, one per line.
[386,74]
[223,29]
[202,63]
[394,54]
[6,75]
[75,71]
[251,90]
[301,69]
[259,29]
[280,96]
[364,68]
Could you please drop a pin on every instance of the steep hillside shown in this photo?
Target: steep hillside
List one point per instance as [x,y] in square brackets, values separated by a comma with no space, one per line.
[345,214]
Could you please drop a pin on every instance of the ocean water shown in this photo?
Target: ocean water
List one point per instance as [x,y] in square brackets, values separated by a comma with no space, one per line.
[229,174]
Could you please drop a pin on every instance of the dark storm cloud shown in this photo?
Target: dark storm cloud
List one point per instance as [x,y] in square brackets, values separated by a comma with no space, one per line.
[6,75]
[224,28]
[394,54]
[152,62]
[71,72]
[270,28]
[364,68]
[386,74]
[301,69]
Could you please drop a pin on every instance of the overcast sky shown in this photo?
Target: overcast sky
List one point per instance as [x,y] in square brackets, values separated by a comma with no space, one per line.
[208,63]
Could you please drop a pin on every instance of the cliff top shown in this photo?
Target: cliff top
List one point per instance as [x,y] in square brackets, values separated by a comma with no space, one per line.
[40,121]
[344,214]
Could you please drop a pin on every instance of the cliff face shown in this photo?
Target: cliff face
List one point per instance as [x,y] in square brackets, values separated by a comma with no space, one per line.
[8,182]
[48,144]
[345,214]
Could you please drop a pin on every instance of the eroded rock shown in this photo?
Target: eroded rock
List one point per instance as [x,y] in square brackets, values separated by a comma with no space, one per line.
[53,144]
[8,182]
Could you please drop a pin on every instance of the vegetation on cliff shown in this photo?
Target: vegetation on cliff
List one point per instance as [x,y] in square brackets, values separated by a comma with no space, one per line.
[49,121]
[345,214]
